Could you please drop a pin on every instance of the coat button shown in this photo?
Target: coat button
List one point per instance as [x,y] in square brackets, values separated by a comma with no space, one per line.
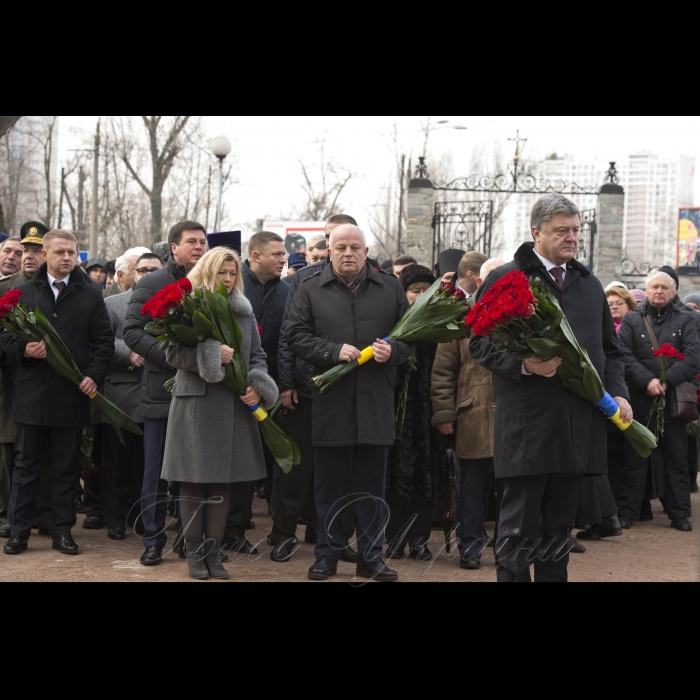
[326,355]
[55,315]
[400,358]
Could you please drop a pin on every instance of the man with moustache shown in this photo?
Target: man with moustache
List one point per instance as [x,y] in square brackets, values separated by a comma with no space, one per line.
[188,244]
[32,235]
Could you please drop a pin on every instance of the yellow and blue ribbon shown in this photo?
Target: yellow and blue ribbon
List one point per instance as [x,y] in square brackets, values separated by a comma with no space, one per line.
[612,411]
[259,412]
[368,354]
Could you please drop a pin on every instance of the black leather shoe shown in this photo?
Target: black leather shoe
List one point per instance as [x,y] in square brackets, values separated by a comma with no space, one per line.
[378,571]
[582,526]
[283,552]
[15,545]
[609,528]
[682,524]
[323,569]
[6,531]
[348,555]
[116,533]
[420,553]
[79,506]
[250,526]
[152,556]
[625,522]
[93,522]
[311,535]
[470,563]
[65,545]
[576,547]
[694,486]
[239,545]
[396,553]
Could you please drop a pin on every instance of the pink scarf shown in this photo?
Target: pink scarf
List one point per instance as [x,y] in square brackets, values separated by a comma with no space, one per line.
[618,323]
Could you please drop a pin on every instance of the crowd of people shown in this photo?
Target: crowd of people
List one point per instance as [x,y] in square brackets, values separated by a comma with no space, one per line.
[481,438]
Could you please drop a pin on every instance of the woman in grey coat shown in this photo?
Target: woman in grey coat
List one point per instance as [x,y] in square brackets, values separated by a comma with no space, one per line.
[213,445]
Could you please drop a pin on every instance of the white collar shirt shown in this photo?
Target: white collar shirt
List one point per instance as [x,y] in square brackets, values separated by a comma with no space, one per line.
[53,288]
[549,266]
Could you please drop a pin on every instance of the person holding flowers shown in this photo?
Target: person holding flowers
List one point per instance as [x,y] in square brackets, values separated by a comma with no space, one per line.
[49,410]
[337,313]
[548,438]
[662,350]
[213,448]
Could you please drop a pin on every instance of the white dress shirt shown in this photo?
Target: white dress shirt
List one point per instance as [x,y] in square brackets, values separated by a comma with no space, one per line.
[550,265]
[54,289]
[468,295]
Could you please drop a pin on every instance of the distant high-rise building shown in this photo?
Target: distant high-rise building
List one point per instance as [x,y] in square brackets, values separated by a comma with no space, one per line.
[655,188]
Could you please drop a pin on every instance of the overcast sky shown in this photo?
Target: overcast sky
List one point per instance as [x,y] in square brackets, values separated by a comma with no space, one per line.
[268,149]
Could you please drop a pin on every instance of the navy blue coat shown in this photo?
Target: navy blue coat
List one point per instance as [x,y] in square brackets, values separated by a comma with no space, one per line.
[542,428]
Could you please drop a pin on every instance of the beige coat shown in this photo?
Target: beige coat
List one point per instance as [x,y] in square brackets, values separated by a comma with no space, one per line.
[462,392]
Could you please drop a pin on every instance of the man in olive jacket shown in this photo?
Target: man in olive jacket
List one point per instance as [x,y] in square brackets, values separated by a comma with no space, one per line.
[49,411]
[188,244]
[547,438]
[677,328]
[337,313]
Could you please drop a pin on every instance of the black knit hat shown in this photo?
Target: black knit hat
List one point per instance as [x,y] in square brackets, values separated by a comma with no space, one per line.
[671,273]
[413,274]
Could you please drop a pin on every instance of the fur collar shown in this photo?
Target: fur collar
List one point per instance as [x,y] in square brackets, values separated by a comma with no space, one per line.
[526,259]
[239,304]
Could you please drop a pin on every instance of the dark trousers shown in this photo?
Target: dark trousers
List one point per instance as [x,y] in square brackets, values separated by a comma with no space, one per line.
[674,448]
[34,444]
[332,469]
[474,492]
[410,521]
[537,514]
[693,458]
[7,464]
[239,513]
[291,492]
[122,476]
[154,494]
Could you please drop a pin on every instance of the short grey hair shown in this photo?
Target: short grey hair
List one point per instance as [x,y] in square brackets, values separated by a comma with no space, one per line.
[489,266]
[124,263]
[347,226]
[548,207]
[657,273]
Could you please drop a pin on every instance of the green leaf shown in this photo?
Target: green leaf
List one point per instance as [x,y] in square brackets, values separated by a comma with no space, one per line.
[185,335]
[203,327]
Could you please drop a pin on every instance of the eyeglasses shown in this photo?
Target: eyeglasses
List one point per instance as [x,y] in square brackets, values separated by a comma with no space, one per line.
[143,271]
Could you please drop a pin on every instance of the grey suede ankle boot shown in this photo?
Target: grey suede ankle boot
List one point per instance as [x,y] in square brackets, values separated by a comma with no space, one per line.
[195,560]
[213,560]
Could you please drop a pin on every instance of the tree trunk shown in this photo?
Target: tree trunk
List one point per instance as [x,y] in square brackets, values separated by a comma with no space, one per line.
[2,219]
[157,215]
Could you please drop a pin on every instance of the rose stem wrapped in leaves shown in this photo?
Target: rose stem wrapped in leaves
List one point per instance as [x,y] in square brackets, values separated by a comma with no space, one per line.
[438,316]
[665,355]
[526,320]
[33,327]
[186,317]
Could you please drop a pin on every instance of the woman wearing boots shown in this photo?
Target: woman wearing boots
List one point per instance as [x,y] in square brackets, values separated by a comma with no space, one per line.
[213,446]
[413,460]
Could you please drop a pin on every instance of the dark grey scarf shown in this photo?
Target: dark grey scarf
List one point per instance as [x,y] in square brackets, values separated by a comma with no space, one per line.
[353,284]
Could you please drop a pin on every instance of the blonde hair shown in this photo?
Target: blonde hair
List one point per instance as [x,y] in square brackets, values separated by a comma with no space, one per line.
[624,295]
[204,275]
[59,233]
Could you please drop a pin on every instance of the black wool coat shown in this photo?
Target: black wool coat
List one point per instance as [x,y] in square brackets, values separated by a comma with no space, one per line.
[268,301]
[359,408]
[542,428]
[80,317]
[155,398]
[671,325]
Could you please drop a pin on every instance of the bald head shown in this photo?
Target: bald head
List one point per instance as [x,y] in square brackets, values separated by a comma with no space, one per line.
[348,250]
[487,268]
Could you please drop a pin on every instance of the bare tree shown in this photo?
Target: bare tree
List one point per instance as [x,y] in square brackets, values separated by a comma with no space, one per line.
[323,183]
[166,138]
[44,136]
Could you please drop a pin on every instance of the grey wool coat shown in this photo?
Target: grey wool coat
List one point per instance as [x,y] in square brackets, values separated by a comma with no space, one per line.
[122,387]
[212,436]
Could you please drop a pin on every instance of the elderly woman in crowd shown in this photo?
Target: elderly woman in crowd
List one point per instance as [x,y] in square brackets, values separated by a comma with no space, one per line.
[677,328]
[413,460]
[597,513]
[213,446]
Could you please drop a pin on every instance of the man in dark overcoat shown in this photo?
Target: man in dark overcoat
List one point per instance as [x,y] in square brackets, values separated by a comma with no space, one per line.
[188,244]
[49,411]
[547,438]
[338,312]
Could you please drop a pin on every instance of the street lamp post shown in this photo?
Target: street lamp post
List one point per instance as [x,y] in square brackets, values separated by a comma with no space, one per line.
[220,147]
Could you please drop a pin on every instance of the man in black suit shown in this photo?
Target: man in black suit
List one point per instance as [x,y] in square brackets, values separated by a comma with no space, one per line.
[50,411]
[547,438]
[188,244]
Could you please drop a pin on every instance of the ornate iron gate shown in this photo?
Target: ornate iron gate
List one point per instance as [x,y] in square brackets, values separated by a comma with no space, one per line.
[586,245]
[463,225]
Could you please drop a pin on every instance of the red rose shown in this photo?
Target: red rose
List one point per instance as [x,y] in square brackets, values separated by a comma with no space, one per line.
[9,302]
[510,306]
[496,312]
[523,308]
[459,294]
[680,357]
[186,285]
[449,288]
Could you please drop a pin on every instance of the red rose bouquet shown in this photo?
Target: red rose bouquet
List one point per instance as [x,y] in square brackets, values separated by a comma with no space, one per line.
[526,321]
[438,316]
[33,327]
[183,316]
[666,356]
